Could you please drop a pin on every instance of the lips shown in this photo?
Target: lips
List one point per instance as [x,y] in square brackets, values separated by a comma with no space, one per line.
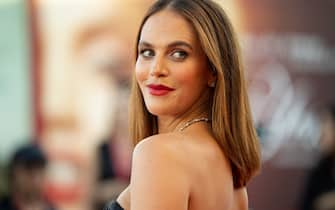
[159,90]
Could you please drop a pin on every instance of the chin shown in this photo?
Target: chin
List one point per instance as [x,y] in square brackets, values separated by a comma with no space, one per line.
[155,111]
[160,110]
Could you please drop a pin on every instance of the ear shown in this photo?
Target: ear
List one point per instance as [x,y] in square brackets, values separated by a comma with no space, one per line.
[211,81]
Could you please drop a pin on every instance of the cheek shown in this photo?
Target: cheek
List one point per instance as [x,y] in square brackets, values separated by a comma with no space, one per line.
[140,73]
[193,77]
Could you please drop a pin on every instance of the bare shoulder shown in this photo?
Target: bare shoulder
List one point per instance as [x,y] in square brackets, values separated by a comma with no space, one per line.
[193,159]
[162,147]
[156,164]
[161,139]
[192,152]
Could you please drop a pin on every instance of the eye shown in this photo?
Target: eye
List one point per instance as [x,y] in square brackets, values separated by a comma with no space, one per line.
[179,55]
[147,53]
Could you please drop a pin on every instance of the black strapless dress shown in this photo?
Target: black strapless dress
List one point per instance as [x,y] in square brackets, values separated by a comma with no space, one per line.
[114,205]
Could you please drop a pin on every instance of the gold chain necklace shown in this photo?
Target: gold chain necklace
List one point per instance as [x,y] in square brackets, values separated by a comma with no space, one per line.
[196,120]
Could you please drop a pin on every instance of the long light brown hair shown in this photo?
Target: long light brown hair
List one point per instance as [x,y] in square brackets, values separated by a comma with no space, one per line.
[231,123]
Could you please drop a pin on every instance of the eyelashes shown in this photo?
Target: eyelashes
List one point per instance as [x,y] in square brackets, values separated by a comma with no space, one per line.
[147,53]
[177,54]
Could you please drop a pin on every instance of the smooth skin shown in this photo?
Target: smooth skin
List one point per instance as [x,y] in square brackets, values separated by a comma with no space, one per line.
[178,170]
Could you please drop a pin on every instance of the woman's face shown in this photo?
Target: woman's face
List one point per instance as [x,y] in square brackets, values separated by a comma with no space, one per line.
[171,69]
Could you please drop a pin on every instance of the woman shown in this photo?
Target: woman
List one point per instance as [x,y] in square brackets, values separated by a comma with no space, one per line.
[196,146]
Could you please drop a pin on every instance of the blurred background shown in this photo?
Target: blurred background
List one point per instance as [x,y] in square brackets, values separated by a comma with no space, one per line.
[64,85]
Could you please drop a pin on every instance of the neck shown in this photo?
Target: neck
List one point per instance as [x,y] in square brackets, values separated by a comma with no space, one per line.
[197,110]
[168,124]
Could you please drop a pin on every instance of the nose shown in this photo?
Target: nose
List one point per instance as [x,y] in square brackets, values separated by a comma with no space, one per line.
[158,67]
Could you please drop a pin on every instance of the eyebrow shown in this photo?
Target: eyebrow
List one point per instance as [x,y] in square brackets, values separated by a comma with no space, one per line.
[171,45]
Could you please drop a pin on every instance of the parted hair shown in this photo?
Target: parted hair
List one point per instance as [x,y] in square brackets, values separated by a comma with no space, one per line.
[231,119]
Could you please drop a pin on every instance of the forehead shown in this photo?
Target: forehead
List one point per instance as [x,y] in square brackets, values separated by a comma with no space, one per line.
[167,26]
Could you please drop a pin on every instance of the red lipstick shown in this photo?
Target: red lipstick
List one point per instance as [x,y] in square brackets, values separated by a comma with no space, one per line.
[159,90]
